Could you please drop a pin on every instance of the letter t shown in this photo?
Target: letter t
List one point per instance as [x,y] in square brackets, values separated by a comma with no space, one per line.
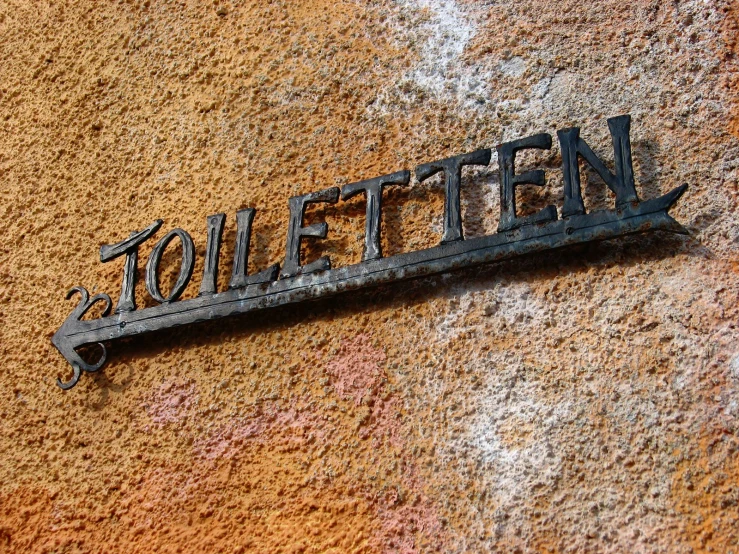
[373,188]
[129,247]
[452,168]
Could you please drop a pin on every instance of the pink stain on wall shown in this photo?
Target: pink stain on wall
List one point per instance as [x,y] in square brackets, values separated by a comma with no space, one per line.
[384,423]
[357,374]
[356,370]
[292,424]
[225,441]
[404,516]
[171,402]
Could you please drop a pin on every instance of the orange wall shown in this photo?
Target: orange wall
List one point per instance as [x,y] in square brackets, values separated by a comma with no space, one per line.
[581,400]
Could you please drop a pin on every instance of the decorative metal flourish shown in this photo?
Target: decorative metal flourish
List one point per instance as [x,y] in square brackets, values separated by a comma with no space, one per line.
[67,347]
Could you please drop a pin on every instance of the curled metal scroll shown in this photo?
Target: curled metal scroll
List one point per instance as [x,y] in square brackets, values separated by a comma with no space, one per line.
[67,347]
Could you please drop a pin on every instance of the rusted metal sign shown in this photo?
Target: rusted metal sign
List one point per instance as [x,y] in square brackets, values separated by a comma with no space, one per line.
[295,282]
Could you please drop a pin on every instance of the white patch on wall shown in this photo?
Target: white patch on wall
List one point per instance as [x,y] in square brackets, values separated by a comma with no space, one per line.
[440,30]
[515,304]
[509,437]
[514,67]
[505,304]
[734,367]
[733,391]
[453,322]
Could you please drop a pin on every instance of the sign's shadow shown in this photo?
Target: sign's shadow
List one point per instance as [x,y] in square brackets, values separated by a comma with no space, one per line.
[624,252]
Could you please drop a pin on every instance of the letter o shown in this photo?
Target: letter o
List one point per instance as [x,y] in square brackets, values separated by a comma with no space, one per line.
[152,266]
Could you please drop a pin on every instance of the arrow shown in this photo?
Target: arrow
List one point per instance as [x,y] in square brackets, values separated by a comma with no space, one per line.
[650,215]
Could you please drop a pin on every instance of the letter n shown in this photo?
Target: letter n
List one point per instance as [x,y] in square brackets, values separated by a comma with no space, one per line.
[622,183]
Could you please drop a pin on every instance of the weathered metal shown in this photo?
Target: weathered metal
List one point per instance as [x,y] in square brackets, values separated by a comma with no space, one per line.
[186,267]
[373,191]
[129,247]
[297,283]
[452,168]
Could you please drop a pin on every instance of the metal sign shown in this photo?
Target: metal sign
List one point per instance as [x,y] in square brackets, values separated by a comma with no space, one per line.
[295,282]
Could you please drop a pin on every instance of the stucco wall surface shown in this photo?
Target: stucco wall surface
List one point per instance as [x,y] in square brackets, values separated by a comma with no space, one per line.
[584,400]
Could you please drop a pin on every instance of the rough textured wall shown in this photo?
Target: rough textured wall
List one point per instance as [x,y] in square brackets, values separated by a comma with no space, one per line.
[582,400]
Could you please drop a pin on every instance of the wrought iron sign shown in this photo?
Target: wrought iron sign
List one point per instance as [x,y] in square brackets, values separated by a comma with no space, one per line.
[295,282]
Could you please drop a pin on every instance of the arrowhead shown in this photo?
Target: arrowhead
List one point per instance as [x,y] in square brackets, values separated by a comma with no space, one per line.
[61,339]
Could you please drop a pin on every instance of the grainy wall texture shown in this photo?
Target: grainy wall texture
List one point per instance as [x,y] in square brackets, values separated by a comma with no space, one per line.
[585,400]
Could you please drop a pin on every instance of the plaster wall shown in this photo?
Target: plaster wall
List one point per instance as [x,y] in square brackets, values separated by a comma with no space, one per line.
[581,400]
